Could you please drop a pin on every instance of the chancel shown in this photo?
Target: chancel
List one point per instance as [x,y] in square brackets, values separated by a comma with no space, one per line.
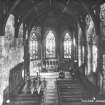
[52,52]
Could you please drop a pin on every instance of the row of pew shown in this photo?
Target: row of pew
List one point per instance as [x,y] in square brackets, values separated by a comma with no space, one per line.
[70,92]
[29,95]
[25,99]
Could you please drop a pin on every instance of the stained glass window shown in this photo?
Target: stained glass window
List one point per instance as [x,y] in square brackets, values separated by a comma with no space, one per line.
[67,46]
[33,45]
[50,45]
[35,52]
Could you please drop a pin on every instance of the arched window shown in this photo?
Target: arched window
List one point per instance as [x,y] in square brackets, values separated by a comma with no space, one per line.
[9,28]
[20,31]
[10,31]
[50,45]
[35,50]
[33,45]
[20,36]
[67,46]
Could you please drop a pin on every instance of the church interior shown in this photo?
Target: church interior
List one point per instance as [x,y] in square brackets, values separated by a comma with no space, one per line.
[52,52]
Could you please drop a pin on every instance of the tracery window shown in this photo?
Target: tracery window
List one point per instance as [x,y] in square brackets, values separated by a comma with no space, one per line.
[50,45]
[34,48]
[34,45]
[67,46]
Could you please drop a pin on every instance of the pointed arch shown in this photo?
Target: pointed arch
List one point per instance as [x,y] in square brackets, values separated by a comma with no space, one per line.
[67,45]
[33,45]
[50,45]
[9,28]
[20,36]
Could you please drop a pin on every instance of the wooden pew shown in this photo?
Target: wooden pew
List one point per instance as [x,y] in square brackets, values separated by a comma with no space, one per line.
[69,92]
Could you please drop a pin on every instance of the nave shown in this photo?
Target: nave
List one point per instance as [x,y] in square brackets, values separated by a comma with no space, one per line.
[58,91]
[52,52]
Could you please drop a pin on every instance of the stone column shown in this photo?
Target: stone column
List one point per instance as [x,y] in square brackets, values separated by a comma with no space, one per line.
[26,59]
[58,48]
[25,51]
[90,55]
[85,50]
[84,42]
[72,50]
[16,26]
[99,71]
[61,52]
[42,48]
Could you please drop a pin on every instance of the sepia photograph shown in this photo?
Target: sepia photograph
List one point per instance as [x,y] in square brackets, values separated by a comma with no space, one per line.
[52,52]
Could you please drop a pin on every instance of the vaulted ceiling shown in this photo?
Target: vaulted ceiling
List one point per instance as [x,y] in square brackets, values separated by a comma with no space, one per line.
[58,11]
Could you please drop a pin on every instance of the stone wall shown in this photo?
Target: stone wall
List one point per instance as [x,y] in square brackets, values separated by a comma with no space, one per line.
[9,58]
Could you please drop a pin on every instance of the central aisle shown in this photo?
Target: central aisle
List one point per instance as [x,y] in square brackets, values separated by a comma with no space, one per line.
[51,94]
